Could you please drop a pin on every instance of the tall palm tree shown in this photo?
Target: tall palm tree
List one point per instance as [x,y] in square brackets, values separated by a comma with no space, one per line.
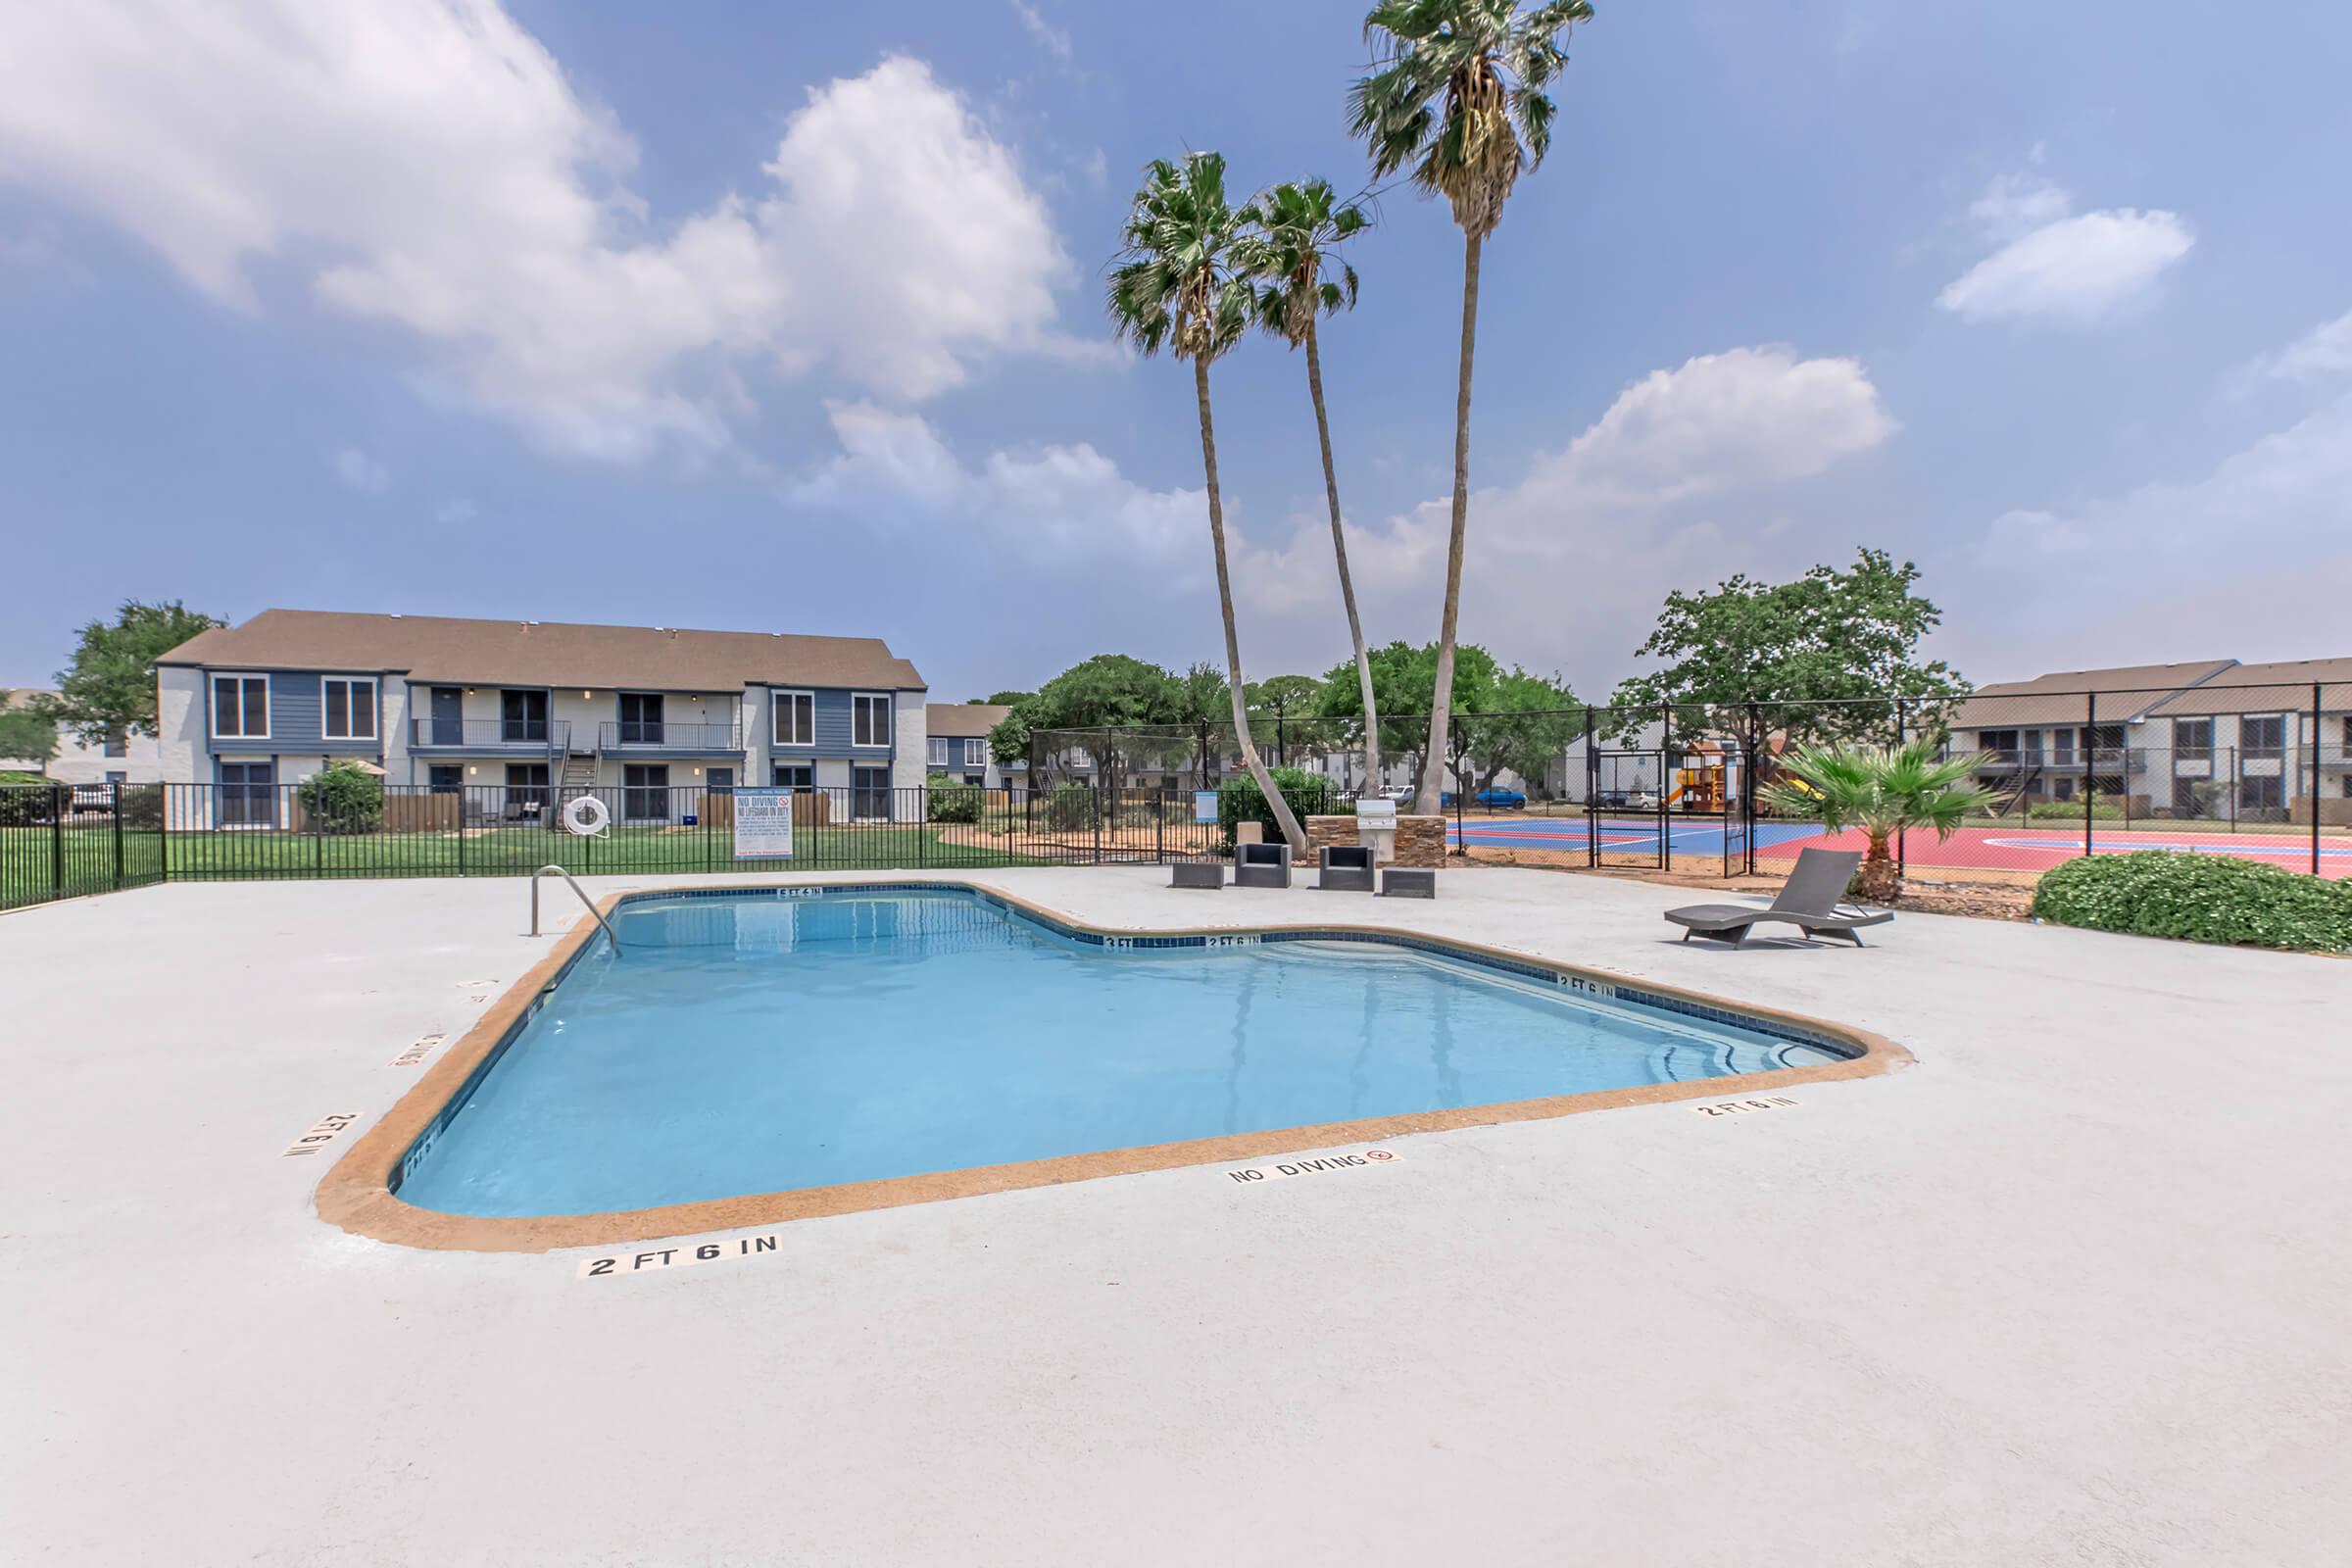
[1178,283]
[1294,231]
[1885,790]
[1457,92]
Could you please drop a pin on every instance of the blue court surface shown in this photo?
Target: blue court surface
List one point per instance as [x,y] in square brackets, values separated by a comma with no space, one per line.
[1636,833]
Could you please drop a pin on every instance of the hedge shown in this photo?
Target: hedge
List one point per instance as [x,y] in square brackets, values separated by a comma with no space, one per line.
[2072,810]
[1238,800]
[2199,897]
[952,800]
[341,798]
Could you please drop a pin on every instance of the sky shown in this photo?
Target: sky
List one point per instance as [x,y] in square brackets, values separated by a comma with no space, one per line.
[790,319]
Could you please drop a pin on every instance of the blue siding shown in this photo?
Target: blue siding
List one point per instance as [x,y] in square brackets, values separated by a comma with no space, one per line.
[832,717]
[297,717]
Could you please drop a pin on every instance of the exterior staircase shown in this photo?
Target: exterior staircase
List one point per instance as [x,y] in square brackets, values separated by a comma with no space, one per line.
[579,773]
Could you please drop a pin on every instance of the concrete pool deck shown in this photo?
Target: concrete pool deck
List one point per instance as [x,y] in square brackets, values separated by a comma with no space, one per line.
[2070,1290]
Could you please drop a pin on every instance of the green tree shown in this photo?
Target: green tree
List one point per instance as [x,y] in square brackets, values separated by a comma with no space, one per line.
[1202,703]
[1284,698]
[109,689]
[1457,93]
[1832,656]
[28,734]
[1881,790]
[1404,677]
[1296,231]
[1535,718]
[1178,285]
[1002,698]
[1109,692]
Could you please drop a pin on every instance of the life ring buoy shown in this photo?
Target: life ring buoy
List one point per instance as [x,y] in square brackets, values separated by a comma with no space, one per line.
[587,816]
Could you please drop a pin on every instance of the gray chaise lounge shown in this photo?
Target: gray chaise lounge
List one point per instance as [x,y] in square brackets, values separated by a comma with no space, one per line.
[1345,868]
[1810,900]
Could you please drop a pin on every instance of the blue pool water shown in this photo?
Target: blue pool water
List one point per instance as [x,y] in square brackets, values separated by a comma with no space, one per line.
[755,1043]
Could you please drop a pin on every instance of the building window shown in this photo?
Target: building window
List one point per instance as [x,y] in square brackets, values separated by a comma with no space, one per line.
[2263,736]
[114,745]
[2192,739]
[975,751]
[939,750]
[796,719]
[869,719]
[793,776]
[241,706]
[522,717]
[1997,745]
[349,710]
[2263,793]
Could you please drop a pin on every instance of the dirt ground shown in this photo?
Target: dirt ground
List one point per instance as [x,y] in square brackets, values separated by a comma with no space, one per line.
[1991,894]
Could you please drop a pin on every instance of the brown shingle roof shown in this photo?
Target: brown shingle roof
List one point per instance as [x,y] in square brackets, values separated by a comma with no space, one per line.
[2269,689]
[2058,697]
[546,653]
[954,720]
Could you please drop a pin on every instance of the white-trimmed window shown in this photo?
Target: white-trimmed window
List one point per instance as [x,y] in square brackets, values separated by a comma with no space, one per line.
[939,750]
[348,710]
[796,719]
[241,708]
[869,718]
[975,751]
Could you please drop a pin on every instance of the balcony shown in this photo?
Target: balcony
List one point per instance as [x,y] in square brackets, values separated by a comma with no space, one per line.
[489,736]
[660,737]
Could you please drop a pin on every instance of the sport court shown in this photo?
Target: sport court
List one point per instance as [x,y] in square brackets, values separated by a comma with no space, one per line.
[1636,837]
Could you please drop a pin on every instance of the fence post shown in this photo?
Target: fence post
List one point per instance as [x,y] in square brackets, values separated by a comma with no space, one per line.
[114,794]
[1665,774]
[1591,789]
[1748,780]
[2091,761]
[2315,778]
[461,805]
[58,795]
[1902,840]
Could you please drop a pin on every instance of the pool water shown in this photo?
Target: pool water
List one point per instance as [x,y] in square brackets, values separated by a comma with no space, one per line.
[754,1043]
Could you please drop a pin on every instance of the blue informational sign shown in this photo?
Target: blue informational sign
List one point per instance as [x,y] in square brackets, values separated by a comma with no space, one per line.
[1204,805]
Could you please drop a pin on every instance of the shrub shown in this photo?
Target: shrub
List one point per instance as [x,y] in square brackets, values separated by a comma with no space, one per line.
[2199,897]
[952,800]
[1240,801]
[142,806]
[341,798]
[28,800]
[1070,805]
[2072,810]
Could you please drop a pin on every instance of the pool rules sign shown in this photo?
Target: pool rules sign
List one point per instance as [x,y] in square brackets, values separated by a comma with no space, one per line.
[763,824]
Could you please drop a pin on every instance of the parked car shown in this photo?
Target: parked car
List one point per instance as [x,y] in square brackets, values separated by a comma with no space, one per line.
[1629,800]
[1493,799]
[1401,794]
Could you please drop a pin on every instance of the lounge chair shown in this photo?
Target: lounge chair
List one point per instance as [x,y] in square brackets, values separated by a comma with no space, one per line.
[1811,899]
[1261,866]
[1344,868]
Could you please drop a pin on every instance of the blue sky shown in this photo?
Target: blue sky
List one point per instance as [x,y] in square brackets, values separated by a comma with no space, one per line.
[749,316]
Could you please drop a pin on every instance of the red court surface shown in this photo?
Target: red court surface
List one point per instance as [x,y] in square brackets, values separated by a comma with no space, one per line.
[2038,850]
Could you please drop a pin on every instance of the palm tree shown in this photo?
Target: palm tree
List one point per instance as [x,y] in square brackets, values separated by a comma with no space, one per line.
[1178,283]
[1881,790]
[1457,93]
[1296,230]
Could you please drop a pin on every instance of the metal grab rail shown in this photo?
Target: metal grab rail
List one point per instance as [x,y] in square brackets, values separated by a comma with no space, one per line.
[593,913]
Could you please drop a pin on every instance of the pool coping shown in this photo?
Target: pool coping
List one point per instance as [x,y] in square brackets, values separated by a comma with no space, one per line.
[358,1193]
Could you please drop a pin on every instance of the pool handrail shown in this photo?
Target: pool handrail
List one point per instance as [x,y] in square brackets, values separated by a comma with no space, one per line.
[593,913]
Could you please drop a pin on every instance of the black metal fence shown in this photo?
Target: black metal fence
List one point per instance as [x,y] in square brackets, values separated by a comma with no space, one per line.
[62,842]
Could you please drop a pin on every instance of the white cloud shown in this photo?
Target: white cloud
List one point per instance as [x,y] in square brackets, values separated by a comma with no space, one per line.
[1055,40]
[2146,573]
[2321,354]
[1070,502]
[427,165]
[2076,268]
[2015,205]
[362,472]
[1671,487]
[459,510]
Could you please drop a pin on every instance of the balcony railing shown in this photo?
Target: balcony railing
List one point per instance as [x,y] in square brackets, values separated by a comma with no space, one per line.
[489,735]
[669,735]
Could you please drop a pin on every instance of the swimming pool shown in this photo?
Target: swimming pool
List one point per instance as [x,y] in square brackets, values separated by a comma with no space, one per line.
[778,1041]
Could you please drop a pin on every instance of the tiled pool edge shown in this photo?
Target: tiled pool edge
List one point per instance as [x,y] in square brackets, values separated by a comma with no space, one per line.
[358,1193]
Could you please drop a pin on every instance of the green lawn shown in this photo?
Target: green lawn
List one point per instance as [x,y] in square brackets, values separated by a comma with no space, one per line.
[28,873]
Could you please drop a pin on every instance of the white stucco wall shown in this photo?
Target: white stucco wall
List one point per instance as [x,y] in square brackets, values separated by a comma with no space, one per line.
[910,733]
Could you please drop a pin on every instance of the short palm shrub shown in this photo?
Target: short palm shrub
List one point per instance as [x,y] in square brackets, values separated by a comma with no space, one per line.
[950,799]
[2198,898]
[1240,801]
[1881,790]
[342,798]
